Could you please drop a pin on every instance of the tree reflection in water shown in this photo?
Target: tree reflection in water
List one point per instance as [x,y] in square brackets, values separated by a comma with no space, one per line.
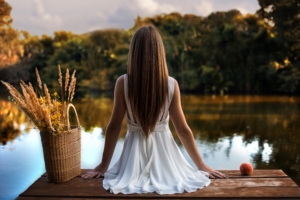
[11,118]
[95,113]
[267,124]
[270,121]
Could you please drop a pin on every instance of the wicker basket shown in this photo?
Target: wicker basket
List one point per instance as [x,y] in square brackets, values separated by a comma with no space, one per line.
[62,153]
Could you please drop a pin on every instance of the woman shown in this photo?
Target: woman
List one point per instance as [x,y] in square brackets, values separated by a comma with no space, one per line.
[150,160]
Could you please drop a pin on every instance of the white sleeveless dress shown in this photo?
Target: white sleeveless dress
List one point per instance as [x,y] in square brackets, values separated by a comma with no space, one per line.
[155,164]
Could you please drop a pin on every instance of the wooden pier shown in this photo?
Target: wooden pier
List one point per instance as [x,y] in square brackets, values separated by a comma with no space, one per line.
[262,184]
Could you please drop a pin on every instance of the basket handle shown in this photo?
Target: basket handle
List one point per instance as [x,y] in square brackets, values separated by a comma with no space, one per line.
[68,120]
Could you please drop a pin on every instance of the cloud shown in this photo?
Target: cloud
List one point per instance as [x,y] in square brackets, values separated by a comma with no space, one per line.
[204,8]
[244,6]
[130,9]
[152,7]
[46,16]
[243,10]
[101,16]
[42,19]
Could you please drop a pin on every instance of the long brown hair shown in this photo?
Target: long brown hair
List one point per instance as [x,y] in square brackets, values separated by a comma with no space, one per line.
[147,77]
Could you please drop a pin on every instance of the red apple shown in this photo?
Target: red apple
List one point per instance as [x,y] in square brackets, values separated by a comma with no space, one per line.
[246,169]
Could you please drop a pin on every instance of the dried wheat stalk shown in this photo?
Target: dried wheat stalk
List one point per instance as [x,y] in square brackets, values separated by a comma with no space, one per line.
[39,108]
[38,78]
[72,87]
[67,82]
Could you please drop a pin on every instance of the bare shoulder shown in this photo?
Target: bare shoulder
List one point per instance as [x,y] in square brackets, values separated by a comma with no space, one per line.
[175,82]
[121,79]
[120,82]
[171,77]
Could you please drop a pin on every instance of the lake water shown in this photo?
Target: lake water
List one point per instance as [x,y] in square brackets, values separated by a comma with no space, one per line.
[229,130]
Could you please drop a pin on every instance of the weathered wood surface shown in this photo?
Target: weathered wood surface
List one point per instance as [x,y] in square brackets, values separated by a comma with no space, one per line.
[262,184]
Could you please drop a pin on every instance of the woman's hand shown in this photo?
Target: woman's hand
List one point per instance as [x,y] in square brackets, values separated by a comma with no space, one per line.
[212,173]
[96,173]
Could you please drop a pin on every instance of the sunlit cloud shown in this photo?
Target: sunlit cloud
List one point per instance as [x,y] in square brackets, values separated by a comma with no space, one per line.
[204,8]
[42,19]
[46,16]
[243,10]
[151,7]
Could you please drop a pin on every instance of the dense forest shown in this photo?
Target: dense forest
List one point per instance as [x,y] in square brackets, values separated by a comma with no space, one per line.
[225,52]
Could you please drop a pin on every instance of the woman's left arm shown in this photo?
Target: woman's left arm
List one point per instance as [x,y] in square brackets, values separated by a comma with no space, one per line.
[112,131]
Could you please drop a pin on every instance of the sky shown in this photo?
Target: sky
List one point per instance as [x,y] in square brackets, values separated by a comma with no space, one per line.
[80,16]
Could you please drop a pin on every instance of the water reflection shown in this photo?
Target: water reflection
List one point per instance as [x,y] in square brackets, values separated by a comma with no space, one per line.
[272,122]
[228,131]
[11,118]
[92,148]
[21,164]
[96,113]
[267,126]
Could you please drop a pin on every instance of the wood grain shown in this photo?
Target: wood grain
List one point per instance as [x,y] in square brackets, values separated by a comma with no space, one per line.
[234,173]
[262,184]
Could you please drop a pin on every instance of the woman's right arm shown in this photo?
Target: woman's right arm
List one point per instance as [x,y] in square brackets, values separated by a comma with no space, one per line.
[186,136]
[112,131]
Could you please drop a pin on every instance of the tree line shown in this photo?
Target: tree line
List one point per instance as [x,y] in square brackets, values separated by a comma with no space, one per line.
[225,52]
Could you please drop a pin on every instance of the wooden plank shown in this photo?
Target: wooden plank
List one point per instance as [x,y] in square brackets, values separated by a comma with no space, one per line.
[253,182]
[275,173]
[177,198]
[237,182]
[207,193]
[262,184]
[92,188]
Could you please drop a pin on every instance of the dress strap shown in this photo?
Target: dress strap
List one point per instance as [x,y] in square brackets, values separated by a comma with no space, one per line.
[127,99]
[171,88]
[171,92]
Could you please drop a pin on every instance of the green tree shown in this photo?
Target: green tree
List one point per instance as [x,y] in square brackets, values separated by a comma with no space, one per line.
[225,51]
[5,18]
[9,38]
[283,17]
[107,59]
[11,48]
[238,44]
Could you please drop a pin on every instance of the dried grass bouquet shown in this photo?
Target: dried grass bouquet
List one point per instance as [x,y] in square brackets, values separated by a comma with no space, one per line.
[47,111]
